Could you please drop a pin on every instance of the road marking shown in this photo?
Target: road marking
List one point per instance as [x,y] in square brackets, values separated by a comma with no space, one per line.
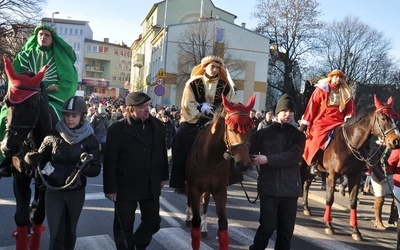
[176,238]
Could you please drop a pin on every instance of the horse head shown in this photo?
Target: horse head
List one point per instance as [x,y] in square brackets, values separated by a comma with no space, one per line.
[238,129]
[384,123]
[23,101]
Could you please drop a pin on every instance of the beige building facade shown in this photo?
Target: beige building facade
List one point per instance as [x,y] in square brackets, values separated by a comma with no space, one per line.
[159,47]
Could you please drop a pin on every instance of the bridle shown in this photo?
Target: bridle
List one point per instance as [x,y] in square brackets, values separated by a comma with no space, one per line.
[230,146]
[12,128]
[383,134]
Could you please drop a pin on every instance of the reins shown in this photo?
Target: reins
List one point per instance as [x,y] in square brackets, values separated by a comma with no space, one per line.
[357,154]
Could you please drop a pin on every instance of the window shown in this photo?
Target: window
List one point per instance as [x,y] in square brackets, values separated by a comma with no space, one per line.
[80,32]
[220,35]
[70,31]
[77,46]
[103,49]
[76,32]
[116,51]
[61,30]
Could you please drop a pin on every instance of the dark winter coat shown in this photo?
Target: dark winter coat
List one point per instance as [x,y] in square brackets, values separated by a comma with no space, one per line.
[283,144]
[135,160]
[170,132]
[64,158]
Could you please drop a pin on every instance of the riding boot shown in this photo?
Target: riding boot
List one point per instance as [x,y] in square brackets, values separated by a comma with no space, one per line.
[378,212]
[36,236]
[394,216]
[5,167]
[21,236]
[195,233]
[223,239]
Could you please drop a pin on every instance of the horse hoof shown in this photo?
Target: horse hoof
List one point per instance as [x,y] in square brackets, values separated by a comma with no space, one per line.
[204,235]
[188,223]
[356,236]
[329,231]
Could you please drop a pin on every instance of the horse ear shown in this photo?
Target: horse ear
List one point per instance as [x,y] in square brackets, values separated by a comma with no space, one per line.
[250,102]
[377,103]
[227,104]
[390,101]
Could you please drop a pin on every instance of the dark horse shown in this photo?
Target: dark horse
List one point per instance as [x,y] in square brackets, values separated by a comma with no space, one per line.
[208,171]
[28,121]
[347,155]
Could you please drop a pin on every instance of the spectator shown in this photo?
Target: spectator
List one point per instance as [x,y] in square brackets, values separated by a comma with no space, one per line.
[267,121]
[99,123]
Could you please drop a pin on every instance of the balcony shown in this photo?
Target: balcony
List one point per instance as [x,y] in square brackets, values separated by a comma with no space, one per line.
[138,60]
[94,68]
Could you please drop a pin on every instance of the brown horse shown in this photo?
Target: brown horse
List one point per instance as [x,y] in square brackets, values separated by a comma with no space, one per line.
[208,171]
[347,155]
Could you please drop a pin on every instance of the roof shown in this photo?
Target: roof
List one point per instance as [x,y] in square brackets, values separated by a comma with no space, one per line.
[66,21]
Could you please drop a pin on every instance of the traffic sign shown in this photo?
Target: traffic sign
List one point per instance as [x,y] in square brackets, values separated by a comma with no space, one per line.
[160,81]
[161,73]
[159,90]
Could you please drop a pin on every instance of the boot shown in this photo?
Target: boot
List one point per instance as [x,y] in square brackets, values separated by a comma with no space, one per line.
[378,212]
[21,236]
[36,236]
[195,233]
[5,167]
[394,216]
[223,239]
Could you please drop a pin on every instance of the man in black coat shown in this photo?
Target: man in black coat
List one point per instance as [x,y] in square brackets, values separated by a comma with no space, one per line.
[135,170]
[277,150]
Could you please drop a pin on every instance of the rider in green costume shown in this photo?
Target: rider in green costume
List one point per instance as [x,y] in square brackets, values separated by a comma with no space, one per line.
[60,79]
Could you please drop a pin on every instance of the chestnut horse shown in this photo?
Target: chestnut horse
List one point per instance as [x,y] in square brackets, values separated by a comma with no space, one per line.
[208,171]
[28,122]
[347,154]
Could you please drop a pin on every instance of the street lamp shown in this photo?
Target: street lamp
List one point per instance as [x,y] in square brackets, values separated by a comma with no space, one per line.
[52,16]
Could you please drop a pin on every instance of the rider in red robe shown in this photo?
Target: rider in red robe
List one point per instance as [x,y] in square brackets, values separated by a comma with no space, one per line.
[330,105]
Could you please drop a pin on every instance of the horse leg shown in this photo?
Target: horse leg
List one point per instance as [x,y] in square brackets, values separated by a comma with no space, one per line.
[306,180]
[220,204]
[37,216]
[194,197]
[354,183]
[22,193]
[204,223]
[188,220]
[330,189]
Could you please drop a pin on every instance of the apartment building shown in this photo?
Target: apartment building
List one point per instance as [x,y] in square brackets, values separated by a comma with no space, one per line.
[103,67]
[159,47]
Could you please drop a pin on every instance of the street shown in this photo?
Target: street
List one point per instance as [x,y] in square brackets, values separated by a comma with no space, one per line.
[95,225]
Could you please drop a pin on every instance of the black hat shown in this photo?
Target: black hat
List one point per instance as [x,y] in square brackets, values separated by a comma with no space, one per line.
[165,113]
[285,102]
[136,98]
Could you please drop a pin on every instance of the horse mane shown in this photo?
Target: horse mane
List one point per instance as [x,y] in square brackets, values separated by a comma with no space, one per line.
[360,115]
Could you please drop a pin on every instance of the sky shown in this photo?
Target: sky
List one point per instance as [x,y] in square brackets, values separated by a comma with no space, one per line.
[107,20]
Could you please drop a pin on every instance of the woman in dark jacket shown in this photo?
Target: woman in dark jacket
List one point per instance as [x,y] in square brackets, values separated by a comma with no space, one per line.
[277,150]
[61,153]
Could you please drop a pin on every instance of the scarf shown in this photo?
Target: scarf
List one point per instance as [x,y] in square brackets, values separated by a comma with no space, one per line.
[74,136]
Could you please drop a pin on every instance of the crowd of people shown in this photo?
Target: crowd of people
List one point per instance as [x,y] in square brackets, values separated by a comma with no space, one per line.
[141,146]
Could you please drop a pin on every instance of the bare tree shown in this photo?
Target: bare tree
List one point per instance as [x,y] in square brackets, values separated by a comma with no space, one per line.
[357,49]
[17,21]
[293,26]
[201,39]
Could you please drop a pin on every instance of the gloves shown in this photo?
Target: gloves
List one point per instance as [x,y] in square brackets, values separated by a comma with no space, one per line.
[207,109]
[32,158]
[303,127]
[52,88]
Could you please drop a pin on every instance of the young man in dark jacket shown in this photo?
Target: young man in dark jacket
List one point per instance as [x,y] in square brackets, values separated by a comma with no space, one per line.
[277,150]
